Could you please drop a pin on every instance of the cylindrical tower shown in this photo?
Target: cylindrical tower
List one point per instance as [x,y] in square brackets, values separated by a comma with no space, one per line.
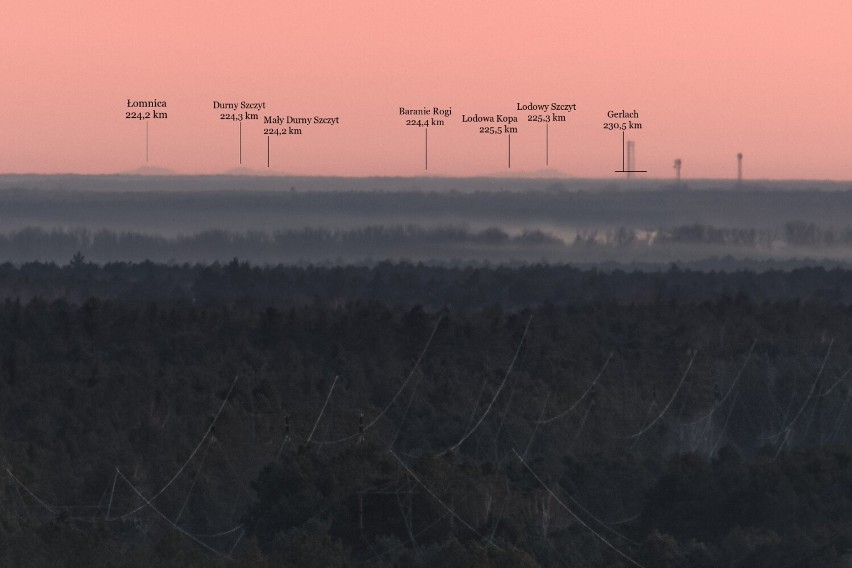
[739,169]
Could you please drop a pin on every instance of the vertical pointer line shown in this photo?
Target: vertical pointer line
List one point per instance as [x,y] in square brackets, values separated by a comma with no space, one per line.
[427,147]
[146,142]
[510,151]
[267,150]
[241,143]
[546,143]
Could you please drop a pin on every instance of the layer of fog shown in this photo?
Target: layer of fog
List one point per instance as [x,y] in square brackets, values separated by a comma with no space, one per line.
[281,219]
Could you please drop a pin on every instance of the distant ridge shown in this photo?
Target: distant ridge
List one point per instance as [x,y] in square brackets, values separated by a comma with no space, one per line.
[150,171]
[243,171]
[542,173]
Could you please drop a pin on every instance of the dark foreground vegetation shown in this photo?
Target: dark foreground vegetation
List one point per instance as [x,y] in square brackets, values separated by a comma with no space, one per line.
[402,415]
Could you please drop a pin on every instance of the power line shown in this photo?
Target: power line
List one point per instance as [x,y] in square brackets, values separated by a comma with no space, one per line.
[111,494]
[403,544]
[395,396]
[236,542]
[33,495]
[839,420]
[192,455]
[597,520]
[194,479]
[221,533]
[500,426]
[405,414]
[788,428]
[496,394]
[165,518]
[438,499]
[837,382]
[724,429]
[577,517]
[665,408]
[580,427]
[331,390]
[729,391]
[537,423]
[476,405]
[579,400]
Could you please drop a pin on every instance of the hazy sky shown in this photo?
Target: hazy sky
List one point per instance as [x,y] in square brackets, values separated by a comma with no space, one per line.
[770,79]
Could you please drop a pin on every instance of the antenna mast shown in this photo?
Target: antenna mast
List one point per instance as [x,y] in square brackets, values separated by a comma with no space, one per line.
[631,155]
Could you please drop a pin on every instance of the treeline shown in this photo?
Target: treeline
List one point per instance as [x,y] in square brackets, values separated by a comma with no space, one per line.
[461,288]
[303,245]
[686,431]
[437,244]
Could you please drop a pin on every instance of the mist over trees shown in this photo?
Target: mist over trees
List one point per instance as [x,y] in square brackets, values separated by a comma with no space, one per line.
[448,245]
[177,204]
[284,219]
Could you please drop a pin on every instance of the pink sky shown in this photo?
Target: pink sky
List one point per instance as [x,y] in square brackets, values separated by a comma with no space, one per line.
[770,79]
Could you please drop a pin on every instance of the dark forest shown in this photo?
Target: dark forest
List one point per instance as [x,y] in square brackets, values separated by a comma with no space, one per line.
[406,415]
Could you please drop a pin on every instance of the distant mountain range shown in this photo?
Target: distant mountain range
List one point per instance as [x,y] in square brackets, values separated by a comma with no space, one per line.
[150,171]
[542,173]
[238,171]
[243,171]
